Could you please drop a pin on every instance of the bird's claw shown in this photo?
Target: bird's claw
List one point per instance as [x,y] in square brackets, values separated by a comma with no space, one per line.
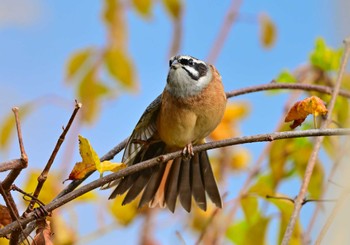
[187,152]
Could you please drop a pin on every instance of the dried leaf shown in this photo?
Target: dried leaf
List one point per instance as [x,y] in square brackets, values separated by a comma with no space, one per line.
[5,217]
[76,61]
[43,233]
[143,7]
[301,109]
[120,67]
[81,169]
[89,160]
[173,7]
[267,31]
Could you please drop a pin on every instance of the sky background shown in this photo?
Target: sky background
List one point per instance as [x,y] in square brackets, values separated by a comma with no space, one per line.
[37,37]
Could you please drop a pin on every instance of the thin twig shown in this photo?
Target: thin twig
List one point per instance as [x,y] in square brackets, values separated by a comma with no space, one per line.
[295,86]
[10,178]
[58,202]
[11,205]
[43,176]
[312,160]
[230,18]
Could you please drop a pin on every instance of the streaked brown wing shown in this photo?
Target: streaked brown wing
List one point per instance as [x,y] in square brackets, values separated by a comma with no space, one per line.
[144,130]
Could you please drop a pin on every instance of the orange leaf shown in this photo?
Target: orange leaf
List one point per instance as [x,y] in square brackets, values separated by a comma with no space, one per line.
[89,160]
[301,109]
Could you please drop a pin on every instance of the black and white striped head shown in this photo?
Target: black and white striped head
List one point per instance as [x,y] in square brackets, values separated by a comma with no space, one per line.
[187,76]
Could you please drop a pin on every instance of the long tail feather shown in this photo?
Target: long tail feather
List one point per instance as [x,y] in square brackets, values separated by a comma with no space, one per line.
[209,180]
[185,185]
[198,190]
[171,190]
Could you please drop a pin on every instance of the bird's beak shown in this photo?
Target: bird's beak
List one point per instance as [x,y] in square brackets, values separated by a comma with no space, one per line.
[175,64]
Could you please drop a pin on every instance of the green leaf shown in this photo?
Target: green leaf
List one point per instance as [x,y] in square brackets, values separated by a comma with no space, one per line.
[285,77]
[120,67]
[250,207]
[324,57]
[173,7]
[263,186]
[76,62]
[143,7]
[243,233]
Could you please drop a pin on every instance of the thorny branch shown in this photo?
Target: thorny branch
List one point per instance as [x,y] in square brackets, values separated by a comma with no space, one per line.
[164,158]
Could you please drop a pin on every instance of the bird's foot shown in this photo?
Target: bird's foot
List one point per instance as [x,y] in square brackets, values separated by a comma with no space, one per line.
[187,152]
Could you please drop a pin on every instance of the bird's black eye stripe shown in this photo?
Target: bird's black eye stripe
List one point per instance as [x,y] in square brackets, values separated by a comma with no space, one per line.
[183,62]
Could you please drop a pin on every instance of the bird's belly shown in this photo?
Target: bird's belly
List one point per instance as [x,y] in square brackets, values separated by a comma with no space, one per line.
[177,129]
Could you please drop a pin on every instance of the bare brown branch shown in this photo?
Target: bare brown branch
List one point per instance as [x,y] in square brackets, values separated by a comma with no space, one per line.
[312,160]
[10,178]
[43,176]
[58,202]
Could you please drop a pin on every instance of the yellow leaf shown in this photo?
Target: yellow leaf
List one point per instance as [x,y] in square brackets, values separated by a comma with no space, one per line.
[115,20]
[89,160]
[250,208]
[173,7]
[90,91]
[8,125]
[76,61]
[51,188]
[120,67]
[63,233]
[80,169]
[240,159]
[228,126]
[143,7]
[124,214]
[267,31]
[109,166]
[301,109]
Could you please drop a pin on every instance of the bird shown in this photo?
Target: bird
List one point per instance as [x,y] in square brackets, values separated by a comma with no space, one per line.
[190,107]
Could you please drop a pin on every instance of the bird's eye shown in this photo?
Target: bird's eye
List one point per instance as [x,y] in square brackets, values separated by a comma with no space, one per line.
[190,62]
[170,62]
[183,62]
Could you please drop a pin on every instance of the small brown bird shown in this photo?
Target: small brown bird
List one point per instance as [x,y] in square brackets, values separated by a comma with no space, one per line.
[189,109]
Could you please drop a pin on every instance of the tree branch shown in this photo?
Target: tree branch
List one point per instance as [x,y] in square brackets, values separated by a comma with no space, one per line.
[312,160]
[43,176]
[58,202]
[295,86]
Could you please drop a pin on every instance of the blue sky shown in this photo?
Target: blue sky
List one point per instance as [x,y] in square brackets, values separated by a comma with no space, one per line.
[37,37]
